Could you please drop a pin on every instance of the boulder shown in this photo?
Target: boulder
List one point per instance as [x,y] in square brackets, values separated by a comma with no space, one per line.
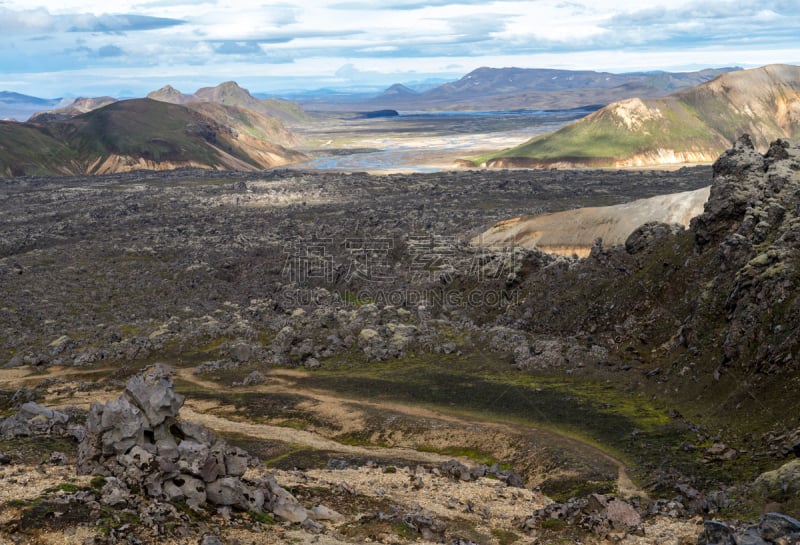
[779,482]
[773,526]
[622,515]
[154,395]
[114,493]
[225,491]
[33,419]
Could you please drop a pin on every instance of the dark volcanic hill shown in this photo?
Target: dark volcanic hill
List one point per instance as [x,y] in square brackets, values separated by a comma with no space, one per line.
[145,134]
[693,125]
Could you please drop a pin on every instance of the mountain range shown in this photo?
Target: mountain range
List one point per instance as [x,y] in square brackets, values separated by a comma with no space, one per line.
[226,127]
[145,134]
[537,88]
[692,125]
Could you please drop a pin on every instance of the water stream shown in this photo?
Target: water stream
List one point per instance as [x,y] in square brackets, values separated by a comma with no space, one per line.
[433,141]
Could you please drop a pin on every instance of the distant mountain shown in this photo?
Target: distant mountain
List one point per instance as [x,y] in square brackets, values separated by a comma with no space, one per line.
[398,90]
[169,94]
[77,107]
[693,125]
[21,107]
[144,134]
[231,94]
[536,88]
[9,97]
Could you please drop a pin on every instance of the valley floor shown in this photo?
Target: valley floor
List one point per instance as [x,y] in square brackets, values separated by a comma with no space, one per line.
[339,327]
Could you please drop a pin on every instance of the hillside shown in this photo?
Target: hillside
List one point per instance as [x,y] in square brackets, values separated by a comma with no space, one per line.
[575,231]
[694,125]
[144,134]
[231,94]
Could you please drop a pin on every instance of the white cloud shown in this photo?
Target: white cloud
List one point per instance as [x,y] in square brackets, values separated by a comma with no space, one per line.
[304,43]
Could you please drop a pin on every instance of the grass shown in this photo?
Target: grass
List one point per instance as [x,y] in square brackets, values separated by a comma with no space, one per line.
[602,138]
[505,537]
[473,385]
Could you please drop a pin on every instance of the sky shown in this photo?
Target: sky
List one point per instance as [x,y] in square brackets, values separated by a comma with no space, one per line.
[69,48]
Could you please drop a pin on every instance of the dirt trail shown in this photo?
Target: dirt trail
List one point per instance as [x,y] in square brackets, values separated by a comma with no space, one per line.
[344,411]
[325,404]
[304,438]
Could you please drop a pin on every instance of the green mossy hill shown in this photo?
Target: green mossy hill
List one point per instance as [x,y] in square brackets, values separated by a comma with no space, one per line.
[695,125]
[144,133]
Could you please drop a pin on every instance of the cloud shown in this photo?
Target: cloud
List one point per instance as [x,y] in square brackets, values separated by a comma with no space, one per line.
[402,5]
[173,3]
[238,48]
[708,23]
[40,21]
[110,51]
[282,14]
[478,27]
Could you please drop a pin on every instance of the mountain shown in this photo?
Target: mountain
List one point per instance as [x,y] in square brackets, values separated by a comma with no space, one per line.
[144,134]
[693,125]
[398,90]
[77,107]
[169,94]
[231,94]
[537,88]
[20,107]
[575,231]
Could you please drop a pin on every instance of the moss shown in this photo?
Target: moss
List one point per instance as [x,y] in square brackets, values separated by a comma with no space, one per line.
[263,518]
[505,537]
[69,488]
[553,524]
[562,489]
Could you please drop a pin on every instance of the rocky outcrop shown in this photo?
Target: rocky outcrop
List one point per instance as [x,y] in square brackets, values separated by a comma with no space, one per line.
[596,513]
[752,222]
[138,443]
[774,529]
[33,419]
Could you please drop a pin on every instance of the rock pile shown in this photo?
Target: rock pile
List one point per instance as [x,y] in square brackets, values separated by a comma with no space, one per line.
[138,443]
[34,419]
[597,513]
[774,529]
[461,472]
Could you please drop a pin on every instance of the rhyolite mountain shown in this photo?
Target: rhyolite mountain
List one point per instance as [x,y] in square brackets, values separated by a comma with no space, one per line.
[693,125]
[146,134]
[538,88]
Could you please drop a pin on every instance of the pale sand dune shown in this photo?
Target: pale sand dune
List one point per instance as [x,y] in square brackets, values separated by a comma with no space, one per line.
[573,231]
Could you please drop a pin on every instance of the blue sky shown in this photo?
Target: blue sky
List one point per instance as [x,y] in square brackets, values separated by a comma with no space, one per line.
[130,47]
